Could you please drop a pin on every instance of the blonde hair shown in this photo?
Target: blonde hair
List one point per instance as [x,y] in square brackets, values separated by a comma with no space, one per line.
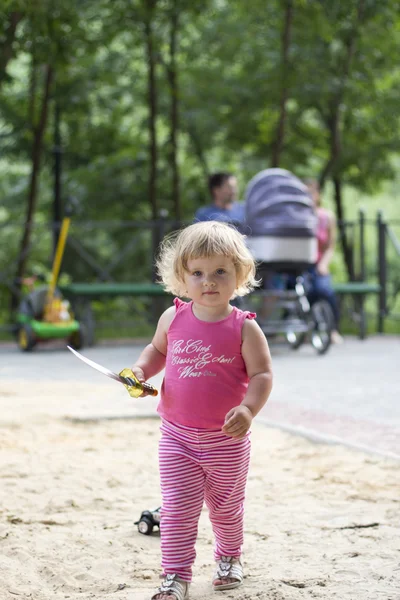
[205,240]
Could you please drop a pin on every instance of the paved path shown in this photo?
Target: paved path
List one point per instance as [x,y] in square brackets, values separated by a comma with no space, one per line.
[351,395]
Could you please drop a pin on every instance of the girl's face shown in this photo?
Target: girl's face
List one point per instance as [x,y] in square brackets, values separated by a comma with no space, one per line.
[211,282]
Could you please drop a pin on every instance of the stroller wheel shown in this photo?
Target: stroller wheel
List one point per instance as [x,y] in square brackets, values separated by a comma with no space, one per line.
[322,325]
[295,339]
[296,334]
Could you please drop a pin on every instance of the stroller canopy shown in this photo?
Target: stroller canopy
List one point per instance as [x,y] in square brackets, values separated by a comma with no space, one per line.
[277,204]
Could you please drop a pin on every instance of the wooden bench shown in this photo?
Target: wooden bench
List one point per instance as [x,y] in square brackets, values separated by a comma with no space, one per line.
[85,292]
[82,294]
[96,290]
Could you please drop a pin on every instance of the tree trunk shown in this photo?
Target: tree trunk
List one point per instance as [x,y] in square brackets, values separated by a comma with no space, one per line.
[152,102]
[198,150]
[36,156]
[6,49]
[33,77]
[280,133]
[334,125]
[174,114]
[335,143]
[334,119]
[347,247]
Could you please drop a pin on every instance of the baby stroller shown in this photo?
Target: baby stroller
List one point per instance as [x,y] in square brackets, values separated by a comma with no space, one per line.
[281,228]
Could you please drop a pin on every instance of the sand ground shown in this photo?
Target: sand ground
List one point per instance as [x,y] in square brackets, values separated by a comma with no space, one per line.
[322,521]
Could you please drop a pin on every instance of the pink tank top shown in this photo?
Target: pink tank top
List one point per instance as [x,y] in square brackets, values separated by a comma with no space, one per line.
[205,375]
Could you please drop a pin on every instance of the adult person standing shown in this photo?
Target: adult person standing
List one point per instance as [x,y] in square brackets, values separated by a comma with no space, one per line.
[326,237]
[224,207]
[223,189]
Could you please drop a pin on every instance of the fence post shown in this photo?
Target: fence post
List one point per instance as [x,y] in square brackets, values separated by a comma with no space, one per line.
[361,275]
[381,225]
[361,220]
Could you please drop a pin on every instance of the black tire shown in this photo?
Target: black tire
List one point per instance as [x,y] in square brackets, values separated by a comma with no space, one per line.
[145,526]
[26,338]
[295,340]
[77,340]
[322,326]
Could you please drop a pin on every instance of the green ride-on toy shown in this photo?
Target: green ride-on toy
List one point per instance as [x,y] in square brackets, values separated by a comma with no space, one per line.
[44,315]
[32,328]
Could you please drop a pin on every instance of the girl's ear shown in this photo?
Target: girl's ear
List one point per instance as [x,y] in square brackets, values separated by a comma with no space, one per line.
[239,278]
[182,289]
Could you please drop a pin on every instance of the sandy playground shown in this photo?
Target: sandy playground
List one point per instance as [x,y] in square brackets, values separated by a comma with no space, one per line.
[322,521]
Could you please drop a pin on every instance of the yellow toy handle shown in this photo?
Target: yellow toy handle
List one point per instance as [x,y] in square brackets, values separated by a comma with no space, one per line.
[136,387]
[57,264]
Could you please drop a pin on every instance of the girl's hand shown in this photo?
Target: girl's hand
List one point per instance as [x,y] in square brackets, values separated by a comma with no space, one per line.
[139,374]
[322,269]
[237,422]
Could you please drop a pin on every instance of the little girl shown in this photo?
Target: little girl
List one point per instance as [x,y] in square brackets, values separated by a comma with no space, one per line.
[217,378]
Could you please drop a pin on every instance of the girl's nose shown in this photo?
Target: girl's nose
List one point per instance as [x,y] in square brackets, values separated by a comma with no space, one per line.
[209,282]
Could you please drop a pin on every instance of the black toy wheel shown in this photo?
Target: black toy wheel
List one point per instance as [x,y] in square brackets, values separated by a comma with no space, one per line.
[323,322]
[145,526]
[26,338]
[77,340]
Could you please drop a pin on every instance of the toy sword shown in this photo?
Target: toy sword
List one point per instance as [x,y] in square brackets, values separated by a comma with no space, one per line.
[126,377]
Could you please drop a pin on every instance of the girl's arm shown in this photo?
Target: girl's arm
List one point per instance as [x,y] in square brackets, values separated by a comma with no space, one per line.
[257,359]
[325,260]
[152,359]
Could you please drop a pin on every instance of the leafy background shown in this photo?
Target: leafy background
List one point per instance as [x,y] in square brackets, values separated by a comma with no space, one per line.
[153,95]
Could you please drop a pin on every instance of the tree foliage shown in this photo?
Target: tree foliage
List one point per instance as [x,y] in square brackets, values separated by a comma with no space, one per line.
[153,95]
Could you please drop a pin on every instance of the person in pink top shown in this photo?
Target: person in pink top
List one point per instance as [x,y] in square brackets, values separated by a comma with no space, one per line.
[326,238]
[218,376]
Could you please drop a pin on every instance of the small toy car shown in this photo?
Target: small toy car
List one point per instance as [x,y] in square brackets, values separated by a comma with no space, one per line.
[148,520]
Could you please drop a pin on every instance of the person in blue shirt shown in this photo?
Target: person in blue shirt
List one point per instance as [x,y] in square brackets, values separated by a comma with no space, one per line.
[223,190]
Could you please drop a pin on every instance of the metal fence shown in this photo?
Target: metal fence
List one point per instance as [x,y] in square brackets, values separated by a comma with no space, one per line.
[375,254]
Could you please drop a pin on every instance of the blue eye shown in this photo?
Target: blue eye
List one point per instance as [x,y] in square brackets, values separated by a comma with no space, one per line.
[196,273]
[220,271]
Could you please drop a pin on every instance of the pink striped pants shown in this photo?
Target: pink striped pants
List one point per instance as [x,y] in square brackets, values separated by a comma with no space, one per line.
[198,465]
